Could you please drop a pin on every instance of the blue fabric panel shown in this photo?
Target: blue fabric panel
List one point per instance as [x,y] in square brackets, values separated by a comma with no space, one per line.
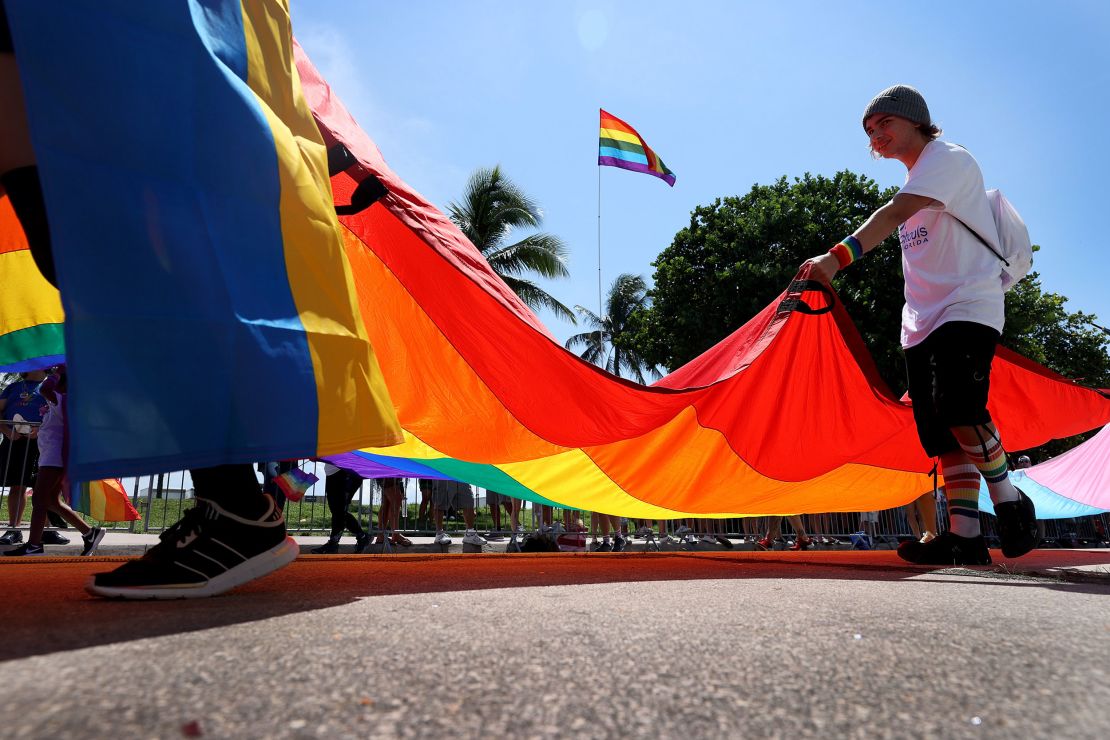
[184,346]
[1049,503]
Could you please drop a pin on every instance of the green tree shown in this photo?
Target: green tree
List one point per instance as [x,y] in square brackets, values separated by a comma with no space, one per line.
[492,209]
[609,343]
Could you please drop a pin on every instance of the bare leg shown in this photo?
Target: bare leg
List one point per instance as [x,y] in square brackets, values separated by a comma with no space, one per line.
[17,500]
[49,498]
[926,508]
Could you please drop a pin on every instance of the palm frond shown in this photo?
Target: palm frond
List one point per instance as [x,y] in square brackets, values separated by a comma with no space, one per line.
[536,297]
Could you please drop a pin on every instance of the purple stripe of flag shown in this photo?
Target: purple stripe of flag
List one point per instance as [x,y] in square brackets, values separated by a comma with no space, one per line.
[636,167]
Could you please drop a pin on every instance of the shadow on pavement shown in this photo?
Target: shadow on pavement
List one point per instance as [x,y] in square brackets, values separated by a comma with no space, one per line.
[45,608]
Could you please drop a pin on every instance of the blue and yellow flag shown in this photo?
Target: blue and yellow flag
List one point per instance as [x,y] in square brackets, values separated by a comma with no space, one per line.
[210,310]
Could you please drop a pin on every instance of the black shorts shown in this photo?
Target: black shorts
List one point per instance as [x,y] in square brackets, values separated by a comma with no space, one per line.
[949,379]
[18,461]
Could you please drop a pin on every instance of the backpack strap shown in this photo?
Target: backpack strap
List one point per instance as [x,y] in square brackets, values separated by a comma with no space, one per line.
[981,239]
[973,231]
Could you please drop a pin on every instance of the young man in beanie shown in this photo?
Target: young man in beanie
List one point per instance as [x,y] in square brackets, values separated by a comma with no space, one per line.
[951,321]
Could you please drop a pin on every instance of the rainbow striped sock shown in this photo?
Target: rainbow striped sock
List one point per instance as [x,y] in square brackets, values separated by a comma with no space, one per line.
[961,487]
[989,457]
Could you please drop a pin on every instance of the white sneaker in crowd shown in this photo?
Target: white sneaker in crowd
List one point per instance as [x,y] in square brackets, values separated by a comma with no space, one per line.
[667,540]
[472,538]
[442,538]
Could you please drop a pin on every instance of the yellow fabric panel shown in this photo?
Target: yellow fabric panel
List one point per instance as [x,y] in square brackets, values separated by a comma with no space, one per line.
[686,467]
[26,299]
[462,417]
[354,405]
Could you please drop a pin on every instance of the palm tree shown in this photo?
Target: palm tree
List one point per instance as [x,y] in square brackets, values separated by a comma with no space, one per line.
[492,208]
[603,345]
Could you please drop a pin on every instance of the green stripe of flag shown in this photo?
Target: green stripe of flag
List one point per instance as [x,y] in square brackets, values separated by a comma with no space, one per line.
[624,146]
[41,340]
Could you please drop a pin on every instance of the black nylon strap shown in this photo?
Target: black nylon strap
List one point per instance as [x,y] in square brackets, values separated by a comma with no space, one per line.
[794,300]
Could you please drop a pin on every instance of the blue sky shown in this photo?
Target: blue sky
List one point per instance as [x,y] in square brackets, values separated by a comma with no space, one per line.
[729,94]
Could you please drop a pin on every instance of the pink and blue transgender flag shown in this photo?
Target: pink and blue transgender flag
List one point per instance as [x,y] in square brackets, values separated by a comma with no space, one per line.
[620,146]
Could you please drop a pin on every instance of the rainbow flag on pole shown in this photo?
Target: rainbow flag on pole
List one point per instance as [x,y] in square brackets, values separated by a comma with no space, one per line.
[620,146]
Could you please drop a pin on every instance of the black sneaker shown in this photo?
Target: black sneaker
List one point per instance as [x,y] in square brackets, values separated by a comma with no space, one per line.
[51,537]
[602,547]
[26,549]
[362,542]
[723,541]
[329,548]
[1017,526]
[619,543]
[946,549]
[92,540]
[209,551]
[11,537]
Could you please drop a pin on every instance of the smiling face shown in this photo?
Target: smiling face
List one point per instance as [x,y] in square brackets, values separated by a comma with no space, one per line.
[894,137]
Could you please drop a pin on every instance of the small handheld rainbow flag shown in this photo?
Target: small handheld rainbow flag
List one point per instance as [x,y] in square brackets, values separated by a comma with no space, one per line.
[621,146]
[104,500]
[295,483]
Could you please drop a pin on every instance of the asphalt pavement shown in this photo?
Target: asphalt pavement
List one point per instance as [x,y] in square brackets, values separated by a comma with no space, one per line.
[683,644]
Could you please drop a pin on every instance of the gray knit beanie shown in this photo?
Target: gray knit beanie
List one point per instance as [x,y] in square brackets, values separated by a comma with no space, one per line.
[900,100]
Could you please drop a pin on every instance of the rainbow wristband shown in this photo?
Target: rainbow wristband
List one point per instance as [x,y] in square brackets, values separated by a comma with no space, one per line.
[847,251]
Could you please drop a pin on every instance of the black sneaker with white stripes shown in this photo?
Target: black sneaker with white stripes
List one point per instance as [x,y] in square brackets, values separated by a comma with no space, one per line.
[208,552]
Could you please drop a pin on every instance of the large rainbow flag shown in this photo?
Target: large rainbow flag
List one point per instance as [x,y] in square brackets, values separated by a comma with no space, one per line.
[620,146]
[31,315]
[786,415]
[210,311]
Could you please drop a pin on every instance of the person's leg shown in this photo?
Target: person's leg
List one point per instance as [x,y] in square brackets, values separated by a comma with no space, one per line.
[49,484]
[514,513]
[963,384]
[233,488]
[603,523]
[494,502]
[336,496]
[945,376]
[911,513]
[336,499]
[926,508]
[17,500]
[620,541]
[425,506]
[801,539]
[394,493]
[234,534]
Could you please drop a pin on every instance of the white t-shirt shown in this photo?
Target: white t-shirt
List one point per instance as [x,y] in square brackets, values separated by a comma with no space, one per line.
[52,434]
[950,275]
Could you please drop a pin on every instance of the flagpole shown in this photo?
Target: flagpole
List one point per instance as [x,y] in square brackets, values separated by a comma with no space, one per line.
[600,304]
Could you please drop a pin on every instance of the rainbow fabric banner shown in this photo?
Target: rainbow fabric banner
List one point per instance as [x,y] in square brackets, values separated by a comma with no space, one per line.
[620,146]
[211,315]
[103,500]
[487,396]
[31,313]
